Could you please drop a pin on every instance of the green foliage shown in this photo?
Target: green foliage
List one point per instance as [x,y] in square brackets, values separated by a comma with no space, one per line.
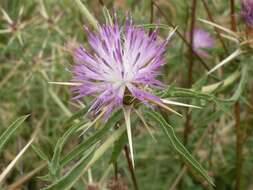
[178,146]
[35,49]
[11,130]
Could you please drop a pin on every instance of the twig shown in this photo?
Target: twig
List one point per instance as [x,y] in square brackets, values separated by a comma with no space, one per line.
[131,168]
[237,114]
[187,128]
[232,15]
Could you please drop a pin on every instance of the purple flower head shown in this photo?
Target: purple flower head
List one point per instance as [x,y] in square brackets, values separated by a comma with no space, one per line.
[247,12]
[201,41]
[123,59]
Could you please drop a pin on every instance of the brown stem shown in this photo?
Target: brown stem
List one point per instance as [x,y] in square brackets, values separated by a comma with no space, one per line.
[101,2]
[187,128]
[203,63]
[237,115]
[131,168]
[232,15]
[192,25]
[210,17]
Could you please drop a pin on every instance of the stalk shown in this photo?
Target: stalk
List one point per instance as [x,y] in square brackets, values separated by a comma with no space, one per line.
[131,168]
[91,19]
[237,114]
[232,15]
[187,128]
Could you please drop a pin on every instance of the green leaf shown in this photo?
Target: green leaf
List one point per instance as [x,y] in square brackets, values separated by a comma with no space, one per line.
[80,113]
[179,147]
[191,93]
[80,149]
[54,165]
[118,146]
[11,130]
[68,180]
[173,91]
[39,152]
[242,83]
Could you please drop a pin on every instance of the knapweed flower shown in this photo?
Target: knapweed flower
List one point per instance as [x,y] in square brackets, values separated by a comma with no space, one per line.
[123,60]
[247,12]
[201,40]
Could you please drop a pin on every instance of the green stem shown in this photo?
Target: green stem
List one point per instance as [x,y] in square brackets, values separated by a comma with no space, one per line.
[91,19]
[131,168]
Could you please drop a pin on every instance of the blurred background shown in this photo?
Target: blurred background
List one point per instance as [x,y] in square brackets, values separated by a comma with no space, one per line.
[35,36]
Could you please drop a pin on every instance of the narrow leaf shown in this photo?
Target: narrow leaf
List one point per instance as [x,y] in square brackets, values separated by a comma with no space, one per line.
[13,162]
[179,147]
[39,152]
[87,143]
[68,180]
[55,162]
[11,130]
[220,27]
[242,83]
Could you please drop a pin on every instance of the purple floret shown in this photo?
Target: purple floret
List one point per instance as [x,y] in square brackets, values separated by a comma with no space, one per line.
[202,40]
[121,58]
[247,12]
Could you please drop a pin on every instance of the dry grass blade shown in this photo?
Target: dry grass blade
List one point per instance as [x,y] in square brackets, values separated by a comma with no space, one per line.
[13,162]
[165,107]
[10,74]
[166,101]
[16,185]
[219,27]
[228,59]
[231,38]
[66,83]
[6,16]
